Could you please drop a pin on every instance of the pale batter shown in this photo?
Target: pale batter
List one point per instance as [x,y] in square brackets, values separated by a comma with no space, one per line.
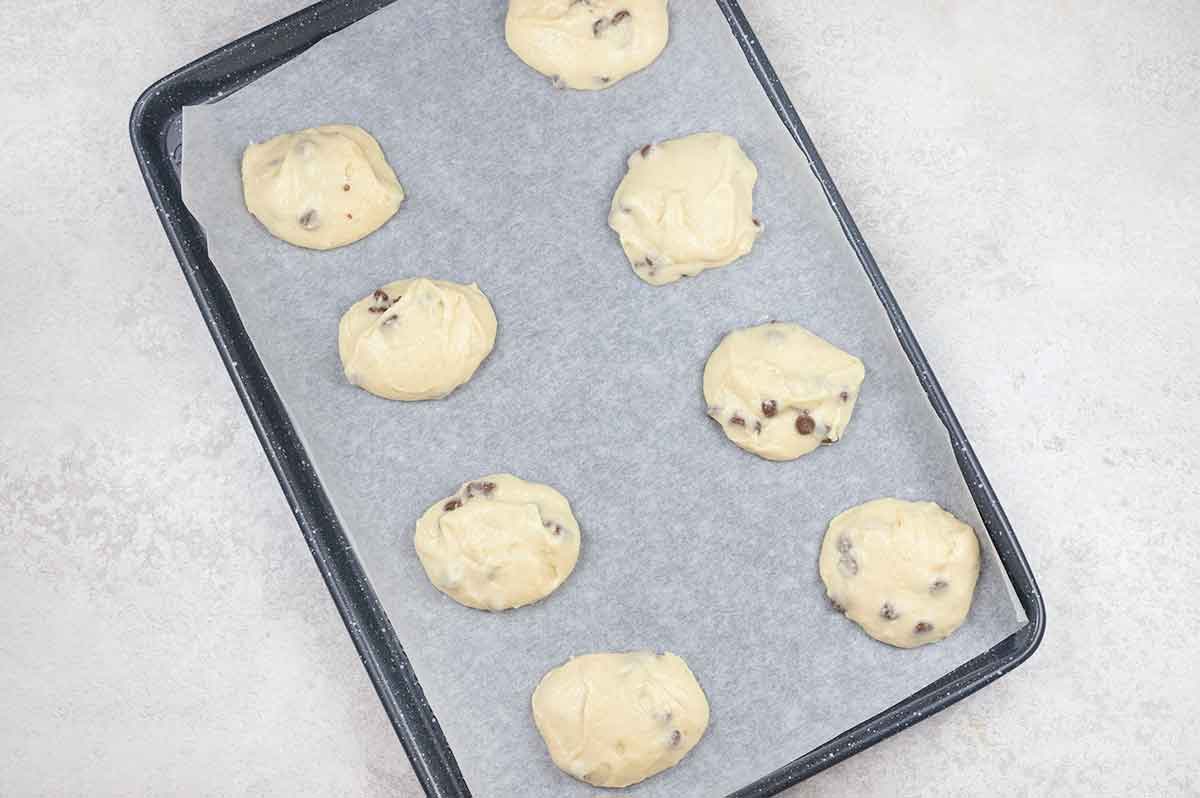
[779,391]
[686,205]
[586,44]
[612,720]
[320,188]
[499,542]
[903,571]
[416,339]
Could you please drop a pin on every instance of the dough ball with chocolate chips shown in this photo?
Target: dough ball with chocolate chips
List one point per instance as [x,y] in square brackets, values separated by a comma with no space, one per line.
[586,44]
[903,571]
[416,339]
[320,188]
[612,720]
[779,391]
[684,206]
[499,542]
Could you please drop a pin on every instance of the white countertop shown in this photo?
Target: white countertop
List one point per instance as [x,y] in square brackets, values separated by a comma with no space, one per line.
[1028,178]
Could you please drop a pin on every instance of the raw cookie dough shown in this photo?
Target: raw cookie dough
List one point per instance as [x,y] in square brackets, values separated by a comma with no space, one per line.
[615,719]
[416,339]
[499,542]
[586,44]
[684,206]
[779,391]
[320,188]
[903,571]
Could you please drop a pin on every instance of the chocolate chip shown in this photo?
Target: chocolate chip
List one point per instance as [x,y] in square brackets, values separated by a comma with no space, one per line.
[827,440]
[938,586]
[310,220]
[645,151]
[770,407]
[836,604]
[737,421]
[480,488]
[602,24]
[676,738]
[453,504]
[844,396]
[805,425]
[888,612]
[757,427]
[555,529]
[847,564]
[345,186]
[602,79]
[390,320]
[380,301]
[757,223]
[349,216]
[923,627]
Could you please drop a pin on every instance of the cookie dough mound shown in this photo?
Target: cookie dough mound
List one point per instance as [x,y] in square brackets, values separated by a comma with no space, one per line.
[684,206]
[586,44]
[499,542]
[416,339]
[779,391]
[612,720]
[903,571]
[320,188]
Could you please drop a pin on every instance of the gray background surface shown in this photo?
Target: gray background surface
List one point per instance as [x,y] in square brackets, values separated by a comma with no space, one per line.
[1029,180]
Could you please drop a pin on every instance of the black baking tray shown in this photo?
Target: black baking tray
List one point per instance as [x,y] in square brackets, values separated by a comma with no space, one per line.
[155,128]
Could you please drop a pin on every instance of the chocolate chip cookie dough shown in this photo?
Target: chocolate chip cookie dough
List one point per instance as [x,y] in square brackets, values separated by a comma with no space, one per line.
[586,44]
[612,720]
[416,339]
[498,543]
[684,206]
[320,188]
[903,571]
[779,391]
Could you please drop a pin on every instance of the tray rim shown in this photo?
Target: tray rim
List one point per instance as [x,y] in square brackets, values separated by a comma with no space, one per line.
[370,630]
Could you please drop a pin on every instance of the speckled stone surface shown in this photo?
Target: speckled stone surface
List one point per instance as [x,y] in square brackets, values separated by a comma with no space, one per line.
[1028,176]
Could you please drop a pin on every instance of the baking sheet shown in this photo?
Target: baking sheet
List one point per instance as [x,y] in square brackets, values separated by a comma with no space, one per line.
[689,544]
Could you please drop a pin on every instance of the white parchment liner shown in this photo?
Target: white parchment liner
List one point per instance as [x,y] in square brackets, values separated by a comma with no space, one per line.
[690,544]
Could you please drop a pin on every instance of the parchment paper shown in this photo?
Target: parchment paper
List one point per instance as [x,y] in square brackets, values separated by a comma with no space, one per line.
[690,544]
